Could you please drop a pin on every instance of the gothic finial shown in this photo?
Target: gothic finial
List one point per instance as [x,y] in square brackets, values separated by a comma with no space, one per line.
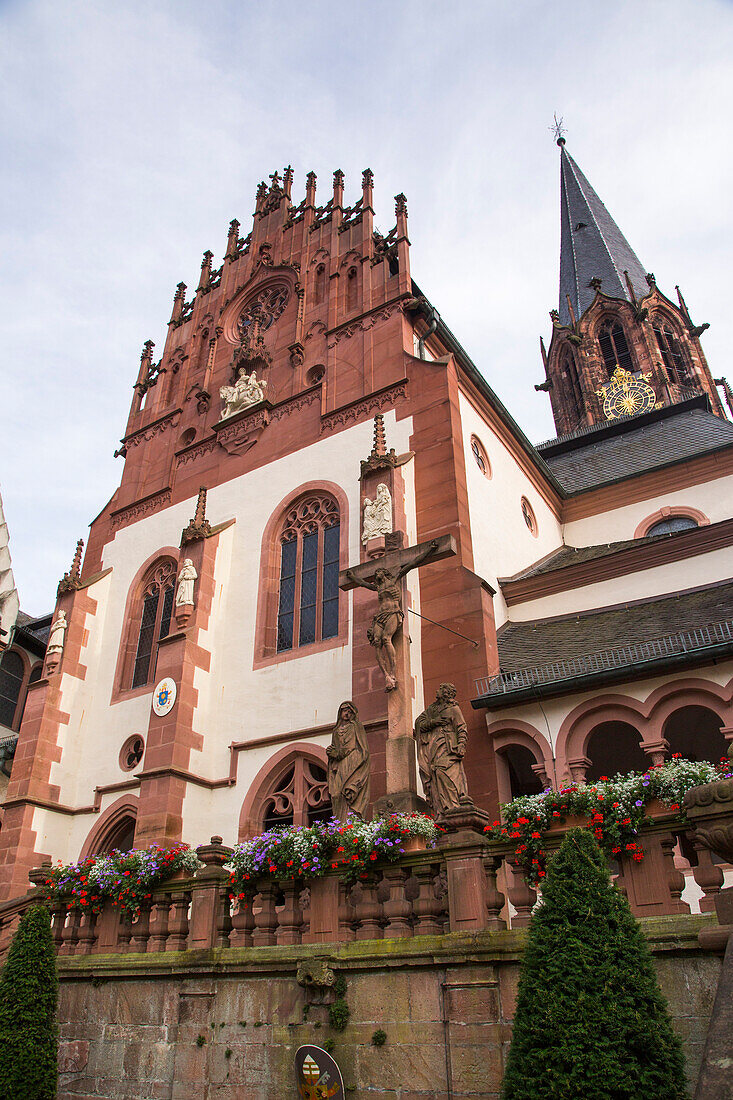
[205,270]
[651,280]
[261,191]
[379,447]
[179,300]
[595,283]
[147,352]
[380,458]
[232,240]
[400,204]
[198,527]
[558,130]
[367,178]
[288,177]
[275,181]
[338,178]
[72,580]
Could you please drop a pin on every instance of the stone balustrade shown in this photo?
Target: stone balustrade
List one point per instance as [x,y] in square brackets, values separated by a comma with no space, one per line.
[465,885]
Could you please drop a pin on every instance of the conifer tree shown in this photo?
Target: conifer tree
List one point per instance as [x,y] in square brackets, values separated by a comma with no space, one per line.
[591,1022]
[28,994]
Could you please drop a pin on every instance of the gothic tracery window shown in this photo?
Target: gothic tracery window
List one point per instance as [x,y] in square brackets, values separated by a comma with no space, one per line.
[155,619]
[614,347]
[12,672]
[299,796]
[266,307]
[308,609]
[673,356]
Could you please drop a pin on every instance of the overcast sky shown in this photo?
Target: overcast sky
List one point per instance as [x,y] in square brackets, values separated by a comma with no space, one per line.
[132,133]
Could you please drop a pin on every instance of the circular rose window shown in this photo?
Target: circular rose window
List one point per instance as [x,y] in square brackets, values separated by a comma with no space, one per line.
[480,456]
[529,516]
[131,753]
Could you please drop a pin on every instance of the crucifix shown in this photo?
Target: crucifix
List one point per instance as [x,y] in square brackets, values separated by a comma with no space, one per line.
[385,576]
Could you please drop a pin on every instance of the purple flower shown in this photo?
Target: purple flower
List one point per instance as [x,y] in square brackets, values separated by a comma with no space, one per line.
[638,802]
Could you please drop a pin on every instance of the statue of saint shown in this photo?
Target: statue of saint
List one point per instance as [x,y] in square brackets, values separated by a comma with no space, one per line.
[184,592]
[56,639]
[246,391]
[390,615]
[377,514]
[441,735]
[348,764]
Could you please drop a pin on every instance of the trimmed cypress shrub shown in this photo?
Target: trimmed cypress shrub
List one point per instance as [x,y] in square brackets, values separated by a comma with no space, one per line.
[591,1022]
[28,994]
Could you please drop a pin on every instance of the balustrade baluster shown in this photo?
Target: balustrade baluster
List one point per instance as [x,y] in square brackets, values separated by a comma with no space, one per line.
[178,922]
[396,908]
[368,910]
[141,931]
[304,901]
[71,933]
[243,923]
[265,916]
[426,907]
[345,913]
[87,933]
[288,930]
[159,922]
[58,920]
[224,919]
[707,875]
[494,898]
[521,895]
[675,878]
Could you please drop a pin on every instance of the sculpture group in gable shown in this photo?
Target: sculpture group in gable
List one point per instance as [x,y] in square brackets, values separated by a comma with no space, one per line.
[247,390]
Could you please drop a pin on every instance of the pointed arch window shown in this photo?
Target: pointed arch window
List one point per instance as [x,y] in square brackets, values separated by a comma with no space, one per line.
[12,674]
[673,357]
[155,619]
[614,347]
[308,606]
[299,796]
[571,385]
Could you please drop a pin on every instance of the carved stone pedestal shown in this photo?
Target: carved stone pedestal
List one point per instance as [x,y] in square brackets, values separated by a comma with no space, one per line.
[464,847]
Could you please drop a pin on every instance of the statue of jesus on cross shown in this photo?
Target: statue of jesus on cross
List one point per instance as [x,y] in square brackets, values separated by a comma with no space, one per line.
[390,615]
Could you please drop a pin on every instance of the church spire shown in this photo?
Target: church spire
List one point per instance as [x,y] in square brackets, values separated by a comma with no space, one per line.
[592,246]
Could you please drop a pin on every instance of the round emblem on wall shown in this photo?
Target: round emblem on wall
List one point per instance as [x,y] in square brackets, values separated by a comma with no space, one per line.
[317,1075]
[164,696]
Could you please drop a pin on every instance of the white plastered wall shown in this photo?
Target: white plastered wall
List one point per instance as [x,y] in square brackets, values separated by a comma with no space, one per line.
[236,702]
[713,498]
[502,542]
[676,576]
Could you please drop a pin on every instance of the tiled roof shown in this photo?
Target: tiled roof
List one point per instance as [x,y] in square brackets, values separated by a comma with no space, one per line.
[573,555]
[529,644]
[643,444]
[592,245]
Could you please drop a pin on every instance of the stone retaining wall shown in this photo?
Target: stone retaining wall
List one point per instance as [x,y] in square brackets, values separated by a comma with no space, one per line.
[225,1024]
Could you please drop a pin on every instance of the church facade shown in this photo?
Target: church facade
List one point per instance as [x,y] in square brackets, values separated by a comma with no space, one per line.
[310,415]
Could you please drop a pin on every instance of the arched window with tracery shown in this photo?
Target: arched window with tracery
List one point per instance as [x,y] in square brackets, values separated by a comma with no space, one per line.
[614,347]
[673,356]
[12,674]
[155,607]
[299,796]
[308,604]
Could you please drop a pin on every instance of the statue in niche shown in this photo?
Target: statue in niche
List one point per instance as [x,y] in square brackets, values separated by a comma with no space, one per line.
[184,592]
[377,514]
[246,391]
[348,764]
[389,618]
[441,735]
[56,639]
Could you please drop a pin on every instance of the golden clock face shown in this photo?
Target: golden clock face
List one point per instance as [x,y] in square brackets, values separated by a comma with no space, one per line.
[626,395]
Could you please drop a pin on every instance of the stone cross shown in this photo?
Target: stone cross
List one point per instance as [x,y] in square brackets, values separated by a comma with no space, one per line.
[385,576]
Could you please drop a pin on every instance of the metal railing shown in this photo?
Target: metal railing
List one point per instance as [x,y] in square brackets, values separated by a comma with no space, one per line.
[669,645]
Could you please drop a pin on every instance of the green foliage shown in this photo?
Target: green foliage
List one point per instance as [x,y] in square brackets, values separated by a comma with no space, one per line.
[306,1010]
[379,1038]
[338,1014]
[201,1041]
[28,994]
[339,986]
[329,1044]
[590,1018]
[228,1052]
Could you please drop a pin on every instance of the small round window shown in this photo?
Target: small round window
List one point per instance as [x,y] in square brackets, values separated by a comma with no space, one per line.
[529,516]
[132,753]
[480,456]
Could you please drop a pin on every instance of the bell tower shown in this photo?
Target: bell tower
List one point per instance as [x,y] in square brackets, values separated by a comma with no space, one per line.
[619,346]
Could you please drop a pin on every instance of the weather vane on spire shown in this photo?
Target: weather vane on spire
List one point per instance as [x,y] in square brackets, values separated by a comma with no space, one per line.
[557,129]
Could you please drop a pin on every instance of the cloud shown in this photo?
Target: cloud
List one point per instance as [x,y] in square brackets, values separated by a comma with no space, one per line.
[134,133]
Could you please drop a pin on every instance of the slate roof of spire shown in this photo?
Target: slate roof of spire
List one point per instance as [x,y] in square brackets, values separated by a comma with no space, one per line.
[591,245]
